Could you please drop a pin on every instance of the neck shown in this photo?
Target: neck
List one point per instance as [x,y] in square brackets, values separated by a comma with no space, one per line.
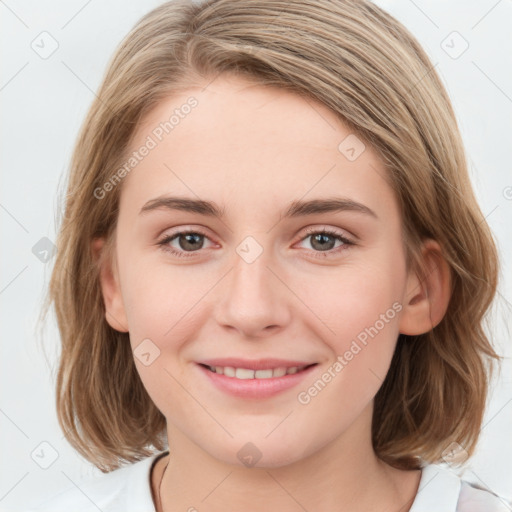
[345,474]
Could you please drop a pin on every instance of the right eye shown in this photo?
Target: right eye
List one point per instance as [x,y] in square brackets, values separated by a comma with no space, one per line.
[188,239]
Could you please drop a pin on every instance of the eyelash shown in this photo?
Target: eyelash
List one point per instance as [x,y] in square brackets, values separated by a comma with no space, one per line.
[311,231]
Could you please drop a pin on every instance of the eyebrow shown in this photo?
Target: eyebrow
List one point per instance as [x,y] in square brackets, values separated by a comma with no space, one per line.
[296,208]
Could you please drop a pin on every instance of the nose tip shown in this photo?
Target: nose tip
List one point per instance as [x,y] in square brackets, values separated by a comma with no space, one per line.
[252,300]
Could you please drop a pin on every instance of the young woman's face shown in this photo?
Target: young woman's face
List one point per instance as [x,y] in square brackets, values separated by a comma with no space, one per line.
[260,281]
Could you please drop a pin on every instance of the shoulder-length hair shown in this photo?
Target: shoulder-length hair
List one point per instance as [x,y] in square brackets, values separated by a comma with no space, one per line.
[369,70]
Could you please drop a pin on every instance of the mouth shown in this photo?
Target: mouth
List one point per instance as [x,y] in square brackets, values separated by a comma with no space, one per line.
[247,373]
[255,383]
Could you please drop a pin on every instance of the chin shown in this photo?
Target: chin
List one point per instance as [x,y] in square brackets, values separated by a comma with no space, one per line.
[260,452]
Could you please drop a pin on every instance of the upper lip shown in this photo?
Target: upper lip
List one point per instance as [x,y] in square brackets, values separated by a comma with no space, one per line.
[256,364]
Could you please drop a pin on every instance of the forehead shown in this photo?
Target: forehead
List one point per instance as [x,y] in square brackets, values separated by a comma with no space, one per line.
[242,141]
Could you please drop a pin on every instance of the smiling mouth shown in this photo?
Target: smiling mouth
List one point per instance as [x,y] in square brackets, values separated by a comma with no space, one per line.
[246,373]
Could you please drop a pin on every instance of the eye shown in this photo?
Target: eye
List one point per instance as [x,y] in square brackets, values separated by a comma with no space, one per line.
[188,241]
[324,241]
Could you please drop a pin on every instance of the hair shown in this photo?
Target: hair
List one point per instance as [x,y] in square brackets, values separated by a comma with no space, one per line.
[365,66]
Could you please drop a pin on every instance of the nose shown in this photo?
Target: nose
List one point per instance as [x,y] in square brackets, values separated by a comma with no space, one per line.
[253,299]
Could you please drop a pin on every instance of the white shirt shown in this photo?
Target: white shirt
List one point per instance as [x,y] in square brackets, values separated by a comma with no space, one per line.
[128,489]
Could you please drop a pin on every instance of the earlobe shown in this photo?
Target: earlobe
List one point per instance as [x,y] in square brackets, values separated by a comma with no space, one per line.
[427,298]
[114,307]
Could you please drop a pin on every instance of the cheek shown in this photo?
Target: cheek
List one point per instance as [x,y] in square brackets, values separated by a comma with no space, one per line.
[159,298]
[361,307]
[163,305]
[354,297]
[159,302]
[364,315]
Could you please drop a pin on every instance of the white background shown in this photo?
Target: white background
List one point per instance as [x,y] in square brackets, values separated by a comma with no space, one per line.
[44,102]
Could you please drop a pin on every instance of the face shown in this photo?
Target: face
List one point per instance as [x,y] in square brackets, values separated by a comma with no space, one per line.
[259,281]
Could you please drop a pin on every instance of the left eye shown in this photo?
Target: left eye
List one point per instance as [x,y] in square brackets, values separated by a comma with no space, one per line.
[322,241]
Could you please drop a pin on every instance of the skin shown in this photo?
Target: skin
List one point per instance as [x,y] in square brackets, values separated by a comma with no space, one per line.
[253,150]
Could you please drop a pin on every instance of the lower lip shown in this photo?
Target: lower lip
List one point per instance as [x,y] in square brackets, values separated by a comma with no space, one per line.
[255,388]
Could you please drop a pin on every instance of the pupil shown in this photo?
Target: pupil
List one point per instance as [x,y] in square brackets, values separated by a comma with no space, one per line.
[190,239]
[324,240]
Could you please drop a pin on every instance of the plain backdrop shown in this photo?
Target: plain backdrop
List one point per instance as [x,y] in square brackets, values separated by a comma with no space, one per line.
[44,99]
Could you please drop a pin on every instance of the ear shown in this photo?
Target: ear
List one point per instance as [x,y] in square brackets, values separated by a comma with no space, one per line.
[114,308]
[427,298]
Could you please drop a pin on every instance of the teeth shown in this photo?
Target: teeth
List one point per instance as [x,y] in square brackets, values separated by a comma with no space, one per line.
[245,373]
[263,374]
[279,372]
[228,371]
[242,373]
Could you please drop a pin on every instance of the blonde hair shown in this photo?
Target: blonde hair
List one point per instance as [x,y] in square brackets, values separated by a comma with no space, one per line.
[368,69]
